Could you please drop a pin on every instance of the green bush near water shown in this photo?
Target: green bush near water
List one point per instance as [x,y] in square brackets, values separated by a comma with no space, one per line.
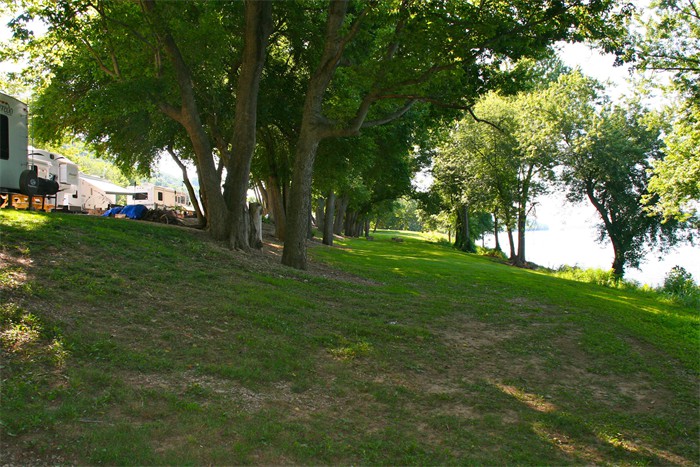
[679,286]
[606,278]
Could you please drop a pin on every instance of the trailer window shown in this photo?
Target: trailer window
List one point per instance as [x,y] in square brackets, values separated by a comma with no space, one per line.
[4,137]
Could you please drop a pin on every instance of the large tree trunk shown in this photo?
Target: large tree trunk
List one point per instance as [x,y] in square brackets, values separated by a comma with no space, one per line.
[340,208]
[255,211]
[258,18]
[463,239]
[511,243]
[294,254]
[522,224]
[276,201]
[320,214]
[522,215]
[189,117]
[328,221]
[350,218]
[495,231]
[618,265]
[315,127]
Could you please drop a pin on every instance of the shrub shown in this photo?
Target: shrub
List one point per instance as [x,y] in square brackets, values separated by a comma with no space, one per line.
[678,281]
[590,276]
[491,252]
[680,286]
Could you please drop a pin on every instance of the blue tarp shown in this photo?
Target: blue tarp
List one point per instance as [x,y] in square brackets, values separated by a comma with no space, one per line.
[133,211]
[113,211]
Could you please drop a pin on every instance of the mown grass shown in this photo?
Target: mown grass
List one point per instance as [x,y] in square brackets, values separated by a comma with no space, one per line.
[130,343]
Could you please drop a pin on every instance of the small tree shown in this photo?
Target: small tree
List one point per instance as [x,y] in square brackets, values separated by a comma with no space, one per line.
[608,163]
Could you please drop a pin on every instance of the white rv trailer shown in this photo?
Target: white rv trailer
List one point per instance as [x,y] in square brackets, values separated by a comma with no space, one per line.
[13,143]
[98,193]
[54,166]
[154,196]
[20,186]
[183,201]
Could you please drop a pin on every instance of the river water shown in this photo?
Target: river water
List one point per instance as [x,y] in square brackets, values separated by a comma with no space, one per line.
[577,246]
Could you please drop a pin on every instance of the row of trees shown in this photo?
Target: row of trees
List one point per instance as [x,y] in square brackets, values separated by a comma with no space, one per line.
[284,84]
[640,170]
[567,134]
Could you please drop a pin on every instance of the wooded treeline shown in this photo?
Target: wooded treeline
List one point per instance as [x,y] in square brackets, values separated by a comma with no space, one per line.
[639,168]
[326,108]
[563,135]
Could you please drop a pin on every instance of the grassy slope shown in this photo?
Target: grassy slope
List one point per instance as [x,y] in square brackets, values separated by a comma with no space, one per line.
[131,343]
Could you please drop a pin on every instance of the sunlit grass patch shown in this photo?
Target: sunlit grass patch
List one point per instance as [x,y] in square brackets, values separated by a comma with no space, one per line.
[351,350]
[27,220]
[19,335]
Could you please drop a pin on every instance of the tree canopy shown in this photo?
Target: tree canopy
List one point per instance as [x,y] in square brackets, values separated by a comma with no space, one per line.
[668,46]
[210,78]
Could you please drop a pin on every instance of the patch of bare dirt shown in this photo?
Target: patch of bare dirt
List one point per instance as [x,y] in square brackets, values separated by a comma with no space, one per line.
[476,335]
[15,455]
[280,394]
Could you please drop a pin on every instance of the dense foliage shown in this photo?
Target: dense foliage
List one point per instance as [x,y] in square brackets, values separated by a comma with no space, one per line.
[210,78]
[667,49]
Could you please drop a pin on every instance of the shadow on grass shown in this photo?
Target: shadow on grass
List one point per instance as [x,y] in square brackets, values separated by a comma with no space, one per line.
[173,345]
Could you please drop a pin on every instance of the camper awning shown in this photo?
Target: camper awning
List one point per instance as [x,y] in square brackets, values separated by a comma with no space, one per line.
[119,192]
[106,186]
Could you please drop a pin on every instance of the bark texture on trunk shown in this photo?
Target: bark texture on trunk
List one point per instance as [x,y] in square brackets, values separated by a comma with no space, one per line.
[522,224]
[618,265]
[350,220]
[276,201]
[320,214]
[294,254]
[315,126]
[329,216]
[188,116]
[258,26]
[495,231]
[255,212]
[463,239]
[511,244]
[340,208]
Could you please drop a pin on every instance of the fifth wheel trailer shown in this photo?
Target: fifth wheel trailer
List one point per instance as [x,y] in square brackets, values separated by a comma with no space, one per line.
[13,142]
[54,166]
[15,174]
[154,197]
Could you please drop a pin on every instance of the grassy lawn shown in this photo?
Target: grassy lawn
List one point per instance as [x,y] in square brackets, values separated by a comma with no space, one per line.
[135,343]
